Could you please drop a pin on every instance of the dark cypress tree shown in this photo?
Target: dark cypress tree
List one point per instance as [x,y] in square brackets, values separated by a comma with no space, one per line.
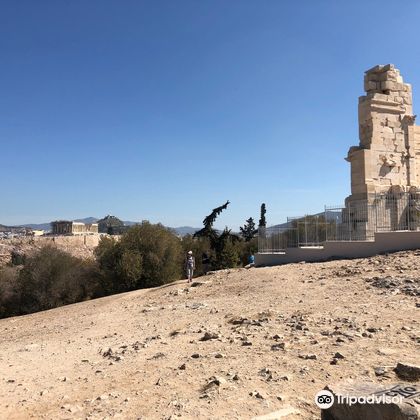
[208,222]
[262,222]
[220,243]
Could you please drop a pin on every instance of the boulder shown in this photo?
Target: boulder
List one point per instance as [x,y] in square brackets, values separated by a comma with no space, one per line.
[402,401]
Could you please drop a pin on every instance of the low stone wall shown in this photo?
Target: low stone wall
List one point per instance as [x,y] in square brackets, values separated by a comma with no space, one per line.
[81,246]
[384,242]
[90,240]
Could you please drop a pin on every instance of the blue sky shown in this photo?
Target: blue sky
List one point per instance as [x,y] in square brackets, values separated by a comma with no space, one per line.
[163,110]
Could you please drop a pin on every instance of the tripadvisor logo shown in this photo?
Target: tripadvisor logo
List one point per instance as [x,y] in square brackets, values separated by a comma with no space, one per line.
[325,399]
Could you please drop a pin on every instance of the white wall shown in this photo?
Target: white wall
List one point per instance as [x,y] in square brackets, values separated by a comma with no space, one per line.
[384,242]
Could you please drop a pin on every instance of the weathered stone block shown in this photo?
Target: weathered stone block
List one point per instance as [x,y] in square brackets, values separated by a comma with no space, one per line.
[388,85]
[361,400]
[370,85]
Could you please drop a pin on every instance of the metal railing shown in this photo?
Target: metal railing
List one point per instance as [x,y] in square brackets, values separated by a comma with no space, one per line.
[356,221]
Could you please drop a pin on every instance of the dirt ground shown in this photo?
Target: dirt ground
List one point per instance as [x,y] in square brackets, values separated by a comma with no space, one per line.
[239,344]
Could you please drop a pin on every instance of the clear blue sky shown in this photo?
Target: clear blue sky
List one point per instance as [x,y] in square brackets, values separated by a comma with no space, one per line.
[162,110]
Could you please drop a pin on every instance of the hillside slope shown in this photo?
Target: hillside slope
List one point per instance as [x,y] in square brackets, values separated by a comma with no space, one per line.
[239,344]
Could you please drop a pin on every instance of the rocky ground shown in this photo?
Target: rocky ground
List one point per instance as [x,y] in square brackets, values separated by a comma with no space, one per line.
[234,345]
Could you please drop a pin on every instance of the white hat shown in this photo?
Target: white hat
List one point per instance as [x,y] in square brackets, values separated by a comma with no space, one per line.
[189,252]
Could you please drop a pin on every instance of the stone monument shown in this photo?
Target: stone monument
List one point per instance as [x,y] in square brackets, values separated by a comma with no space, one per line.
[385,167]
[388,156]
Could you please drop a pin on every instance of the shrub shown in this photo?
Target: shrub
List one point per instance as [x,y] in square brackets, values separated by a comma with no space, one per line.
[147,255]
[228,256]
[52,278]
[9,292]
[17,258]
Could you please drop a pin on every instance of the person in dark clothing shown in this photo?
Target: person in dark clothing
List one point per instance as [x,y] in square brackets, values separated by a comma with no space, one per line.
[205,261]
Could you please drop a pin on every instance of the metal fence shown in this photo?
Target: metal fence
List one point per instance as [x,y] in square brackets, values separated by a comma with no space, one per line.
[356,221]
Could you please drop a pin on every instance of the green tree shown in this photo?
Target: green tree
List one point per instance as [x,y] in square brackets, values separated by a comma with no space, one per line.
[227,252]
[147,255]
[262,222]
[248,231]
[52,278]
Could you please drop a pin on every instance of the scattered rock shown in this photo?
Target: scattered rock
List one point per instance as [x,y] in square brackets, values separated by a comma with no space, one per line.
[278,346]
[258,395]
[218,380]
[372,329]
[156,356]
[196,305]
[239,321]
[408,372]
[308,356]
[198,283]
[338,356]
[209,336]
[404,285]
[381,370]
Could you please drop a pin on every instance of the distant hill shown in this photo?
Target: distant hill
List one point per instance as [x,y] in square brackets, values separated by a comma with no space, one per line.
[331,216]
[39,226]
[185,230]
[4,228]
[13,229]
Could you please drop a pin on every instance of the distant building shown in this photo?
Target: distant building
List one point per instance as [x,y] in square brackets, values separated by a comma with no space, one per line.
[65,227]
[37,232]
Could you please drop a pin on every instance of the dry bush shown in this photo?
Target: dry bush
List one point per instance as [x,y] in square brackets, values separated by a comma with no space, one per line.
[53,278]
[9,292]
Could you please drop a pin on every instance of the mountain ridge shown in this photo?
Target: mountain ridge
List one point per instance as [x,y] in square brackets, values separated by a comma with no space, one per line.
[181,230]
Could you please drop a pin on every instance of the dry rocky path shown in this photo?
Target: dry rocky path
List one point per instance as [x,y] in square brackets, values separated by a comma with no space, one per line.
[234,345]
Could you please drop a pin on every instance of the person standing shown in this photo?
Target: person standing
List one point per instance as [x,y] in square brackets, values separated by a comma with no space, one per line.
[251,261]
[205,262]
[190,266]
